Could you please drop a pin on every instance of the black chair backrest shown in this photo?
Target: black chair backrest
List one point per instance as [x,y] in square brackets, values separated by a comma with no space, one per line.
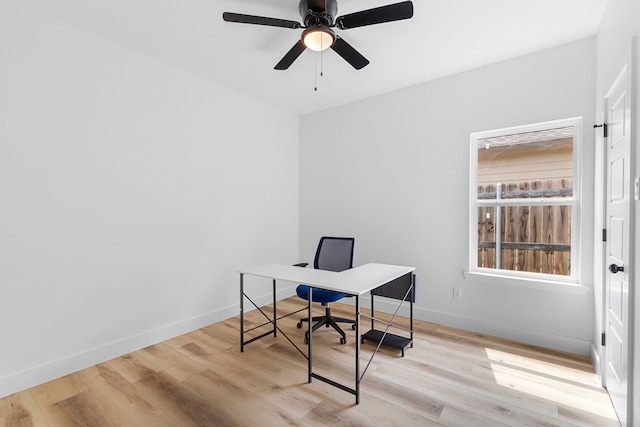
[334,253]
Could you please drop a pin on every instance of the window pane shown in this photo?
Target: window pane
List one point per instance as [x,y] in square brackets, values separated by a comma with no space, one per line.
[526,165]
[486,237]
[533,239]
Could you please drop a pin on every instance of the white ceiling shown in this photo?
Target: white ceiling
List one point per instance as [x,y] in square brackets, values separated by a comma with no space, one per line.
[444,37]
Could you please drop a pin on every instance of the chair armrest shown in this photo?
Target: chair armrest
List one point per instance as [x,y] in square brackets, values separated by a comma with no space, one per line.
[301,264]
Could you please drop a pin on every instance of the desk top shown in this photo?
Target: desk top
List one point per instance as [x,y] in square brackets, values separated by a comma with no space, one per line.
[355,281]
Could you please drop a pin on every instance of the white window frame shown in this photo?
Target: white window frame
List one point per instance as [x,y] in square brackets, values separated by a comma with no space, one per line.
[574,202]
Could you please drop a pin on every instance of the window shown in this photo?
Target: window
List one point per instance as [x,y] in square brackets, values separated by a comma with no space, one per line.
[524,210]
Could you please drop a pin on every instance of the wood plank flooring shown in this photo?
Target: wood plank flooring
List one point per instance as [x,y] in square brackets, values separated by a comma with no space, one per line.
[449,378]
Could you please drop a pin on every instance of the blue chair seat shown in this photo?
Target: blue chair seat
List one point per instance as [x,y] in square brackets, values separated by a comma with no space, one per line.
[318,295]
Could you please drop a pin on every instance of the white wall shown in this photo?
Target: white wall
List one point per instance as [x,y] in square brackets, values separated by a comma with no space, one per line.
[130,192]
[393,171]
[619,25]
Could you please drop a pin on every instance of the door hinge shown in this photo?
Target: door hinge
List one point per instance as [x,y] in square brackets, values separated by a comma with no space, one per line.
[603,340]
[604,127]
[604,234]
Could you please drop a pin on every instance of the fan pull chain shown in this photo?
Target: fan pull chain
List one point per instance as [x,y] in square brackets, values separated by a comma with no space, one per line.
[315,73]
[321,47]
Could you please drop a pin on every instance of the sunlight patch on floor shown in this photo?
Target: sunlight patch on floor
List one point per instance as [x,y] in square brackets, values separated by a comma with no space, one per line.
[572,388]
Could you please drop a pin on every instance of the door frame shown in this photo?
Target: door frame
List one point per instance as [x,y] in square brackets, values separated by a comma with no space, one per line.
[628,59]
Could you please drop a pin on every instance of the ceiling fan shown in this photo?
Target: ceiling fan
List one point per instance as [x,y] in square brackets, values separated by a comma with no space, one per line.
[319,18]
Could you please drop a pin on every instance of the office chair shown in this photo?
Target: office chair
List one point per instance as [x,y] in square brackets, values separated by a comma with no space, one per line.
[334,254]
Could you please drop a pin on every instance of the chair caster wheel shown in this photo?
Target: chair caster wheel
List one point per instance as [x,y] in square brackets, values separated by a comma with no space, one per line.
[343,340]
[306,338]
[299,325]
[353,327]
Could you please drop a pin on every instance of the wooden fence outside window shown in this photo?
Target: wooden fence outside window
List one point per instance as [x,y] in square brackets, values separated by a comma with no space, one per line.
[535,238]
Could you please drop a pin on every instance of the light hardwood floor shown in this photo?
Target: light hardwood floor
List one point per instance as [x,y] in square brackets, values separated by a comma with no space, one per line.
[449,378]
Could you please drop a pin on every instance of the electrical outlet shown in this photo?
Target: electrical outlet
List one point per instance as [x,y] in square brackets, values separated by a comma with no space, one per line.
[457,293]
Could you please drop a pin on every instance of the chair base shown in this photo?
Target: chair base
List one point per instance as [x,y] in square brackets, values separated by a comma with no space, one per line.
[327,320]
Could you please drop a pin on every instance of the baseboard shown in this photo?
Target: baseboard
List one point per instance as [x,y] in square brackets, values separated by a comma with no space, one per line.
[36,375]
[488,327]
[596,362]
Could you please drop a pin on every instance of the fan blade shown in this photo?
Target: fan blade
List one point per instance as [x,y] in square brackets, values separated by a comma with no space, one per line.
[259,20]
[291,56]
[378,15]
[349,54]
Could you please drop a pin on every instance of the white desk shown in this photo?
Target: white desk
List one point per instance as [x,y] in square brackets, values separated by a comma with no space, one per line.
[356,281]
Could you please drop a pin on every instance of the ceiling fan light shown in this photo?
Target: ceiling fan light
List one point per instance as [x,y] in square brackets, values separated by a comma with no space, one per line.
[318,38]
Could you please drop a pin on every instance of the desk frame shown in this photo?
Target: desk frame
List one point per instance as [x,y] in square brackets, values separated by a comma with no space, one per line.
[332,281]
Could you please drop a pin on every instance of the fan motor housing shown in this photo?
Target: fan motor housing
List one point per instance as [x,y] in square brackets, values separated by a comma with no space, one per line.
[318,12]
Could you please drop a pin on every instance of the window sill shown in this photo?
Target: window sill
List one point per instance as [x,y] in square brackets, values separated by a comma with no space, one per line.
[541,284]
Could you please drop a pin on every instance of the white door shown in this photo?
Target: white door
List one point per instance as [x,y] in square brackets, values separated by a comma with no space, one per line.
[617,106]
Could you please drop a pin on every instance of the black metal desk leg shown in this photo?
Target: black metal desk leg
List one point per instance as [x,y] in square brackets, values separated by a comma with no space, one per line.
[412,298]
[357,349]
[310,314]
[274,309]
[241,312]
